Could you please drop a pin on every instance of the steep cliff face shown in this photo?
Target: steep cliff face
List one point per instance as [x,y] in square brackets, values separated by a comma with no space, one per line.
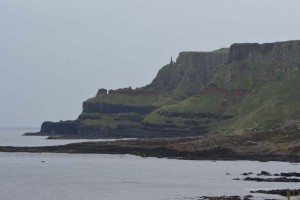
[60,128]
[249,63]
[248,86]
[258,86]
[278,53]
[189,74]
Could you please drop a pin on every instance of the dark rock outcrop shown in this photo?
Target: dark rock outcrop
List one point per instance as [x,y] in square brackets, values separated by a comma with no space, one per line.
[60,128]
[282,192]
[265,173]
[130,91]
[191,72]
[246,174]
[102,91]
[279,52]
[290,174]
[252,52]
[279,179]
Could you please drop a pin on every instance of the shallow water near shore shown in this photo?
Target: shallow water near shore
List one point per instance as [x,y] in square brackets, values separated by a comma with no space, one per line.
[14,137]
[27,176]
[49,176]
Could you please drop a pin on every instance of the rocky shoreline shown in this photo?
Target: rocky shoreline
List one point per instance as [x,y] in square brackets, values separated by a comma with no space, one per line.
[281,192]
[263,146]
[248,197]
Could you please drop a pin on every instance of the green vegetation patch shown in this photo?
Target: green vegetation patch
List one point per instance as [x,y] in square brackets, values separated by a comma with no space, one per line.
[207,103]
[122,99]
[270,104]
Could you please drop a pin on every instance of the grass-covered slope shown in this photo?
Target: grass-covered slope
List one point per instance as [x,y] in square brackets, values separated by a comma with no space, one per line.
[127,108]
[271,103]
[120,110]
[257,88]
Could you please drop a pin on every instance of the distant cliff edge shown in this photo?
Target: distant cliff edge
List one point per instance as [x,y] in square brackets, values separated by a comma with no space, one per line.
[246,87]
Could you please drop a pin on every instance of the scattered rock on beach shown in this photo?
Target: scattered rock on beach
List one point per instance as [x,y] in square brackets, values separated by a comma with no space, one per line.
[235,197]
[279,179]
[221,198]
[264,173]
[246,174]
[289,174]
[282,192]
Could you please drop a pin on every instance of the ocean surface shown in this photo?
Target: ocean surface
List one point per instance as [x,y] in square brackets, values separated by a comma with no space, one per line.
[30,176]
[13,137]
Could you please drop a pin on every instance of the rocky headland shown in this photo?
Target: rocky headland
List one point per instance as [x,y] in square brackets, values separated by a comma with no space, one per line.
[244,88]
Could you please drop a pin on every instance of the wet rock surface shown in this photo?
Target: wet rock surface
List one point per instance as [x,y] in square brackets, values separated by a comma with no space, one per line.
[264,173]
[280,179]
[282,192]
[246,173]
[290,174]
[235,197]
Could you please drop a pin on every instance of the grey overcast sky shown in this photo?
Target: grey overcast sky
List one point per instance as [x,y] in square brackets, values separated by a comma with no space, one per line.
[54,54]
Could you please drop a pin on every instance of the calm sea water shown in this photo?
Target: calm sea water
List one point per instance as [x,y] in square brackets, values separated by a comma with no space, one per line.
[13,137]
[28,176]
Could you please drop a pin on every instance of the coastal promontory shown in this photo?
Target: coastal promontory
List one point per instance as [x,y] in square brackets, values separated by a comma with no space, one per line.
[244,88]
